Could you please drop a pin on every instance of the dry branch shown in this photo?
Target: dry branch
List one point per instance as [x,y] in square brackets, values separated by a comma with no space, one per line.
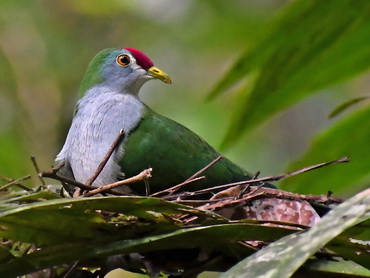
[193,178]
[16,183]
[55,176]
[144,175]
[205,168]
[37,169]
[251,181]
[172,189]
[102,164]
[246,190]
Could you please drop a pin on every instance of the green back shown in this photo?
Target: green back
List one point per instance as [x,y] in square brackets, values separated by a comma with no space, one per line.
[175,153]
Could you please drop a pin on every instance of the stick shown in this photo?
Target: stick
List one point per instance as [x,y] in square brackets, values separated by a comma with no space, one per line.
[102,164]
[193,178]
[246,188]
[176,187]
[59,166]
[205,168]
[2,188]
[273,193]
[276,178]
[265,179]
[147,188]
[53,175]
[144,175]
[33,159]
[21,186]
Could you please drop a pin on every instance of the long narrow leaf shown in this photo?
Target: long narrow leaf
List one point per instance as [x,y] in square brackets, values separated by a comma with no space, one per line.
[313,44]
[348,137]
[283,257]
[185,238]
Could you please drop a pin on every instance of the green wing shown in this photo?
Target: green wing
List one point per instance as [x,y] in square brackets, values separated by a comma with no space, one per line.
[175,153]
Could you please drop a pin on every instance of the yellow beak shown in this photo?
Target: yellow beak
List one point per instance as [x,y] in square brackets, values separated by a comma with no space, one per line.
[159,74]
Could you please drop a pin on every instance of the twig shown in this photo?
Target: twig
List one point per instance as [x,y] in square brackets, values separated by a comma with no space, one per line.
[176,187]
[147,188]
[258,192]
[256,174]
[313,167]
[205,168]
[55,176]
[193,178]
[265,179]
[58,167]
[33,159]
[265,192]
[144,175]
[70,269]
[77,193]
[246,188]
[102,164]
[15,182]
[21,186]
[252,191]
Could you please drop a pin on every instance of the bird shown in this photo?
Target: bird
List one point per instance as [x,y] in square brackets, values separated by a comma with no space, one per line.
[109,103]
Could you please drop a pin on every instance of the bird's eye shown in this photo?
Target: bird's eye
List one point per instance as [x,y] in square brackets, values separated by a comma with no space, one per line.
[123,60]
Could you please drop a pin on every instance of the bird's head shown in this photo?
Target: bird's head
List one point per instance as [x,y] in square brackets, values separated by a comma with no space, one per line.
[125,69]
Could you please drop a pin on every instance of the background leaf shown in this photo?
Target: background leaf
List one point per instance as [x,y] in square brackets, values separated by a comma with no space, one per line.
[310,46]
[78,220]
[346,105]
[283,257]
[82,233]
[348,137]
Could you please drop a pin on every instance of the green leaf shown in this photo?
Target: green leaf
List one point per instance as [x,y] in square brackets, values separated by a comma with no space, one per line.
[11,151]
[348,137]
[28,197]
[347,248]
[311,45]
[209,236]
[338,268]
[345,106]
[283,257]
[78,219]
[5,254]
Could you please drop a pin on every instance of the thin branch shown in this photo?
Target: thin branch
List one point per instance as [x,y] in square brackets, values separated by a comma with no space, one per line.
[144,175]
[102,164]
[193,178]
[55,176]
[205,168]
[246,188]
[21,186]
[70,268]
[147,188]
[15,182]
[258,192]
[313,167]
[256,174]
[77,193]
[270,192]
[176,187]
[33,159]
[59,166]
[265,179]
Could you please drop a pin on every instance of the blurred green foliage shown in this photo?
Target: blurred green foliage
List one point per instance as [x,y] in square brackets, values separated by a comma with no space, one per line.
[46,45]
[282,52]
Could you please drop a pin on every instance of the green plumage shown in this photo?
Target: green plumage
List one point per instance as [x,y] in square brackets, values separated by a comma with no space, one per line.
[108,104]
[175,153]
